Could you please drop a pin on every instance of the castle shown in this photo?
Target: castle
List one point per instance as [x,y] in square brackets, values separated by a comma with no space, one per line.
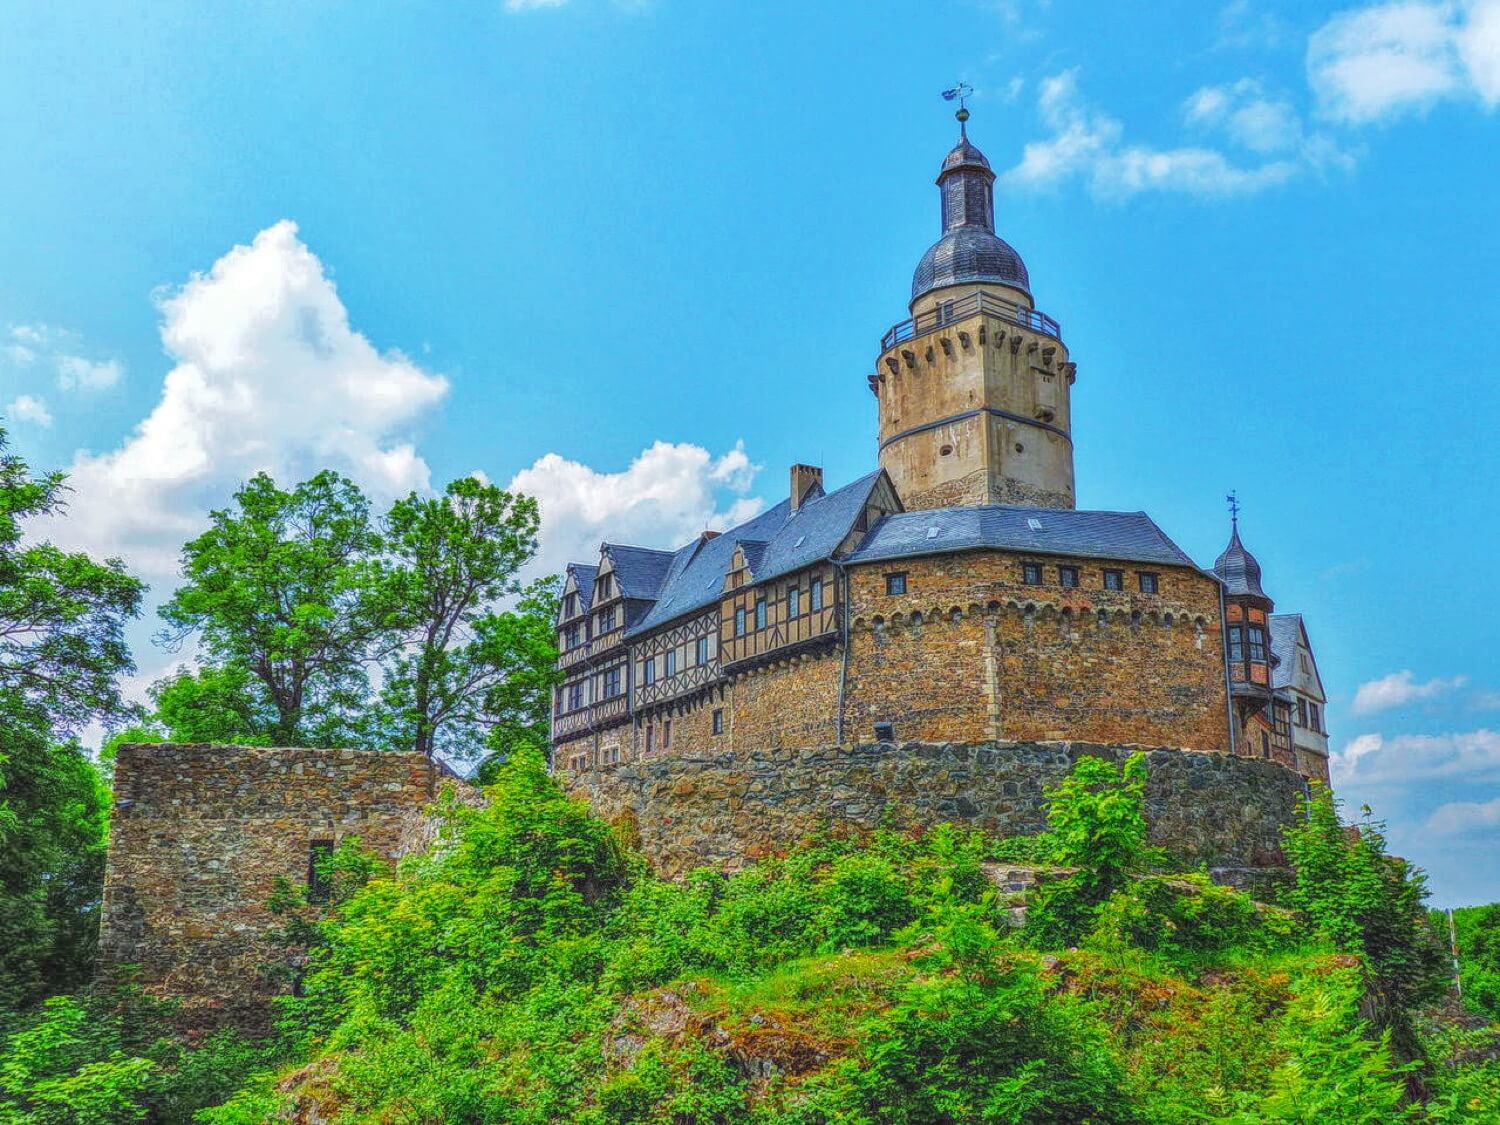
[939,640]
[955,594]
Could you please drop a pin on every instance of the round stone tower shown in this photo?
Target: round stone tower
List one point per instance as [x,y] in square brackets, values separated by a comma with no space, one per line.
[974,388]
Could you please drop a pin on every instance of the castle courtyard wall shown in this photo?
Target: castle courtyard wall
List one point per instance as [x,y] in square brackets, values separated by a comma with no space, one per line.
[199,835]
[970,652]
[732,806]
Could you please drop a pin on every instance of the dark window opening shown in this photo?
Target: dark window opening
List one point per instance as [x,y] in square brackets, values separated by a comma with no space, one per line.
[739,622]
[1114,580]
[718,720]
[666,734]
[319,877]
[895,584]
[1236,644]
[1150,584]
[671,662]
[1067,575]
[700,651]
[760,613]
[794,602]
[1265,745]
[1257,645]
[648,672]
[1031,574]
[611,682]
[815,595]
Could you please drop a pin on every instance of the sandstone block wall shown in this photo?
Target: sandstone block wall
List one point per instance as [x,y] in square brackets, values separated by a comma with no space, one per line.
[730,806]
[199,835]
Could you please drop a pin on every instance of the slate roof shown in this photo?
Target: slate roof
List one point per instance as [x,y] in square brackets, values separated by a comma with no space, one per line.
[639,571]
[584,575]
[777,541]
[1128,536]
[1285,630]
[1238,569]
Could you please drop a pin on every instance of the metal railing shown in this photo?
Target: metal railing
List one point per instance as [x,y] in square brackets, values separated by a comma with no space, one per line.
[950,312]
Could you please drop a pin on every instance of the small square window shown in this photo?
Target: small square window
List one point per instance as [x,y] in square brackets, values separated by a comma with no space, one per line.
[1149,582]
[1114,580]
[1031,574]
[895,584]
[1067,575]
[718,720]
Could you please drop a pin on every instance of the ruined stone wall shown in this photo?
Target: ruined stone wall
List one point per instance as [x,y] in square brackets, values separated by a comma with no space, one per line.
[730,806]
[971,652]
[199,835]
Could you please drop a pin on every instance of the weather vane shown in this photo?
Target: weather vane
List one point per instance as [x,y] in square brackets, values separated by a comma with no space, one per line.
[959,93]
[1233,500]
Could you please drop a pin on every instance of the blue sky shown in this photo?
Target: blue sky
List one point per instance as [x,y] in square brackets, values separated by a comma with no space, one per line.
[637,258]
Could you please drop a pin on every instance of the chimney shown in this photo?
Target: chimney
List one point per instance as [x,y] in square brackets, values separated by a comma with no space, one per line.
[803,478]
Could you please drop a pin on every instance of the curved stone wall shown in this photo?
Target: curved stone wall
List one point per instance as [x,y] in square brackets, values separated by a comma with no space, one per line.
[729,807]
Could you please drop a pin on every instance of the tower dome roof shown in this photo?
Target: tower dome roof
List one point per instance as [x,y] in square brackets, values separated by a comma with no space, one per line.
[969,250]
[1238,569]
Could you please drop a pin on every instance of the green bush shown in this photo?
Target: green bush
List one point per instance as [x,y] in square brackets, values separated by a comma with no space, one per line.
[1181,917]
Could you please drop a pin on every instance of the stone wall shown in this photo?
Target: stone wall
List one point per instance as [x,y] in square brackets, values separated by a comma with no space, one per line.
[198,837]
[727,807]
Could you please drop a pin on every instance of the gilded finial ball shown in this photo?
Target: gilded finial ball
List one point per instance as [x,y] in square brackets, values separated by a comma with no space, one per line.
[962,114]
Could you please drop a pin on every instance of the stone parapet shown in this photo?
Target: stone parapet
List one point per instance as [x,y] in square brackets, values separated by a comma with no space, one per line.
[730,807]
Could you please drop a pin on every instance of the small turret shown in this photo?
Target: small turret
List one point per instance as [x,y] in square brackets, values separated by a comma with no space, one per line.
[1247,644]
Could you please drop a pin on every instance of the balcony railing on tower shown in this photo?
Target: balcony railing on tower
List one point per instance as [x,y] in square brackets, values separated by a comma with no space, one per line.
[950,312]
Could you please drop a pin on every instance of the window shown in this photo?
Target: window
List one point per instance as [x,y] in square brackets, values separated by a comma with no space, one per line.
[1031,574]
[570,637]
[1236,644]
[794,602]
[1315,718]
[1150,584]
[606,620]
[1067,575]
[671,662]
[1304,663]
[575,695]
[1265,745]
[1114,580]
[1302,712]
[604,588]
[612,682]
[718,720]
[895,584]
[1283,725]
[648,672]
[1257,644]
[319,878]
[650,737]
[700,651]
[739,622]
[570,605]
[666,734]
[815,595]
[760,613]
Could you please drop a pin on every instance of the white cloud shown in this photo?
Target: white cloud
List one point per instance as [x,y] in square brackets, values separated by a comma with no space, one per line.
[76,372]
[268,374]
[1400,688]
[29,408]
[667,495]
[1460,818]
[1249,116]
[1379,62]
[1373,758]
[1089,143]
[1243,24]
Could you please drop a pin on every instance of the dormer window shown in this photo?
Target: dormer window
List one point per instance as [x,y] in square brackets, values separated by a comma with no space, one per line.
[570,605]
[604,589]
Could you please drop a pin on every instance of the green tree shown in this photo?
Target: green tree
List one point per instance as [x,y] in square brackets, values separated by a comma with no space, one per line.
[1370,903]
[62,648]
[214,704]
[457,666]
[276,590]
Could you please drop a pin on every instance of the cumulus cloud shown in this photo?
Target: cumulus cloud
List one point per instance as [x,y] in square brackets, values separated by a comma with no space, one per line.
[1462,818]
[1089,143]
[268,374]
[1374,759]
[76,372]
[29,408]
[1382,61]
[1400,688]
[667,495]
